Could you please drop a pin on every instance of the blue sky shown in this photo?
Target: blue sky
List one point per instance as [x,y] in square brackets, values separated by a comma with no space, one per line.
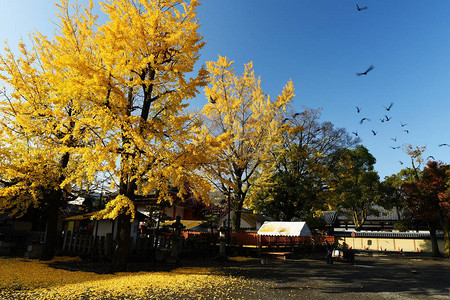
[321,45]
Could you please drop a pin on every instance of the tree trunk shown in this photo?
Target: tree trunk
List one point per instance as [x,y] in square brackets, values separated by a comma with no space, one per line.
[55,198]
[358,224]
[237,219]
[123,242]
[121,253]
[399,216]
[237,207]
[434,244]
[48,251]
[128,187]
[445,224]
[447,240]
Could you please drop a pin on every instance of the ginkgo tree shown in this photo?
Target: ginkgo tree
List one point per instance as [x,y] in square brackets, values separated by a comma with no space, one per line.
[126,81]
[251,119]
[35,123]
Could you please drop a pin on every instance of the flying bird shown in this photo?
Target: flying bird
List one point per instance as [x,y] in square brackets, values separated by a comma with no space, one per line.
[374,132]
[394,139]
[400,162]
[431,156]
[358,110]
[363,119]
[406,130]
[366,71]
[398,147]
[360,8]
[444,145]
[387,118]
[382,120]
[389,107]
[403,125]
[355,133]
[212,100]
[296,115]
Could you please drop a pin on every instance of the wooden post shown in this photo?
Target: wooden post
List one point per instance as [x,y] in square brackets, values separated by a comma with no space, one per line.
[77,248]
[101,246]
[67,235]
[95,246]
[108,244]
[90,244]
[72,242]
[82,244]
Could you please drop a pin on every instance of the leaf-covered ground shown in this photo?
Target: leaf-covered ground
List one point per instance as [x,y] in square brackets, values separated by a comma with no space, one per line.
[373,275]
[32,279]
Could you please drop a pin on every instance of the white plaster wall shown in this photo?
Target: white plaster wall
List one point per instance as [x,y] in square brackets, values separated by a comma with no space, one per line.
[104,227]
[390,244]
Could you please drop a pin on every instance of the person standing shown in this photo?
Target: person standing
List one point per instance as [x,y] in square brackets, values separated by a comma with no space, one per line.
[329,248]
[176,239]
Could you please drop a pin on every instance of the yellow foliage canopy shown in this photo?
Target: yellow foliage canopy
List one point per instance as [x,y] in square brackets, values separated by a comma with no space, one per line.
[252,120]
[111,96]
[120,205]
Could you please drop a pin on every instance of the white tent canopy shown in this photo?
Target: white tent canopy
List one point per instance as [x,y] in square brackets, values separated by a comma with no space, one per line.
[284,229]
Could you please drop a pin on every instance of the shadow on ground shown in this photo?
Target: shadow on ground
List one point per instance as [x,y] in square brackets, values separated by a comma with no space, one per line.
[104,267]
[381,274]
[369,276]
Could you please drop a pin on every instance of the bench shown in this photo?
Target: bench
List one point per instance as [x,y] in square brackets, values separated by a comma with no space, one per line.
[277,255]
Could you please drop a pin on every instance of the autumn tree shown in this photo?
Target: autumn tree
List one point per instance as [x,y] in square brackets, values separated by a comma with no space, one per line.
[37,128]
[411,188]
[302,160]
[26,179]
[252,120]
[392,196]
[426,198]
[126,81]
[354,185]
[444,205]
[416,155]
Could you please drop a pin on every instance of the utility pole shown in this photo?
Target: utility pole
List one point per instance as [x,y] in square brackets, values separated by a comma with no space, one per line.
[229,217]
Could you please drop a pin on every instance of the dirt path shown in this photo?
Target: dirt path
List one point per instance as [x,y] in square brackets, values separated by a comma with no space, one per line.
[369,277]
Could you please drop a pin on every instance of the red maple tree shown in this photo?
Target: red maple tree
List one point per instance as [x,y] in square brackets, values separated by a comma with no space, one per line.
[428,199]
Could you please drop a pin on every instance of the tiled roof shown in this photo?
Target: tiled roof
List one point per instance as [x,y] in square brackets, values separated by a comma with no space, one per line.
[385,234]
[189,224]
[80,217]
[252,219]
[385,215]
[86,216]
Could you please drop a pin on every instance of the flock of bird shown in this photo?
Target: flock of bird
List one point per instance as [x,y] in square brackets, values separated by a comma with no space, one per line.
[386,117]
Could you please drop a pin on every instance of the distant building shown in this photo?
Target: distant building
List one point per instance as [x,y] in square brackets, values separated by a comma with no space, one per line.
[339,221]
[249,220]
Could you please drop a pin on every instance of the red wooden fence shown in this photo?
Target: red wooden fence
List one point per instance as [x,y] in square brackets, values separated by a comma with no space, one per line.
[242,238]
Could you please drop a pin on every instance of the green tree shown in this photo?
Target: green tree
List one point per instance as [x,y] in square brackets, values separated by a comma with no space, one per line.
[355,185]
[302,160]
[392,195]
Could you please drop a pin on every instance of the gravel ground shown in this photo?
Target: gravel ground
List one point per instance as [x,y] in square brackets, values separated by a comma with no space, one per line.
[370,276]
